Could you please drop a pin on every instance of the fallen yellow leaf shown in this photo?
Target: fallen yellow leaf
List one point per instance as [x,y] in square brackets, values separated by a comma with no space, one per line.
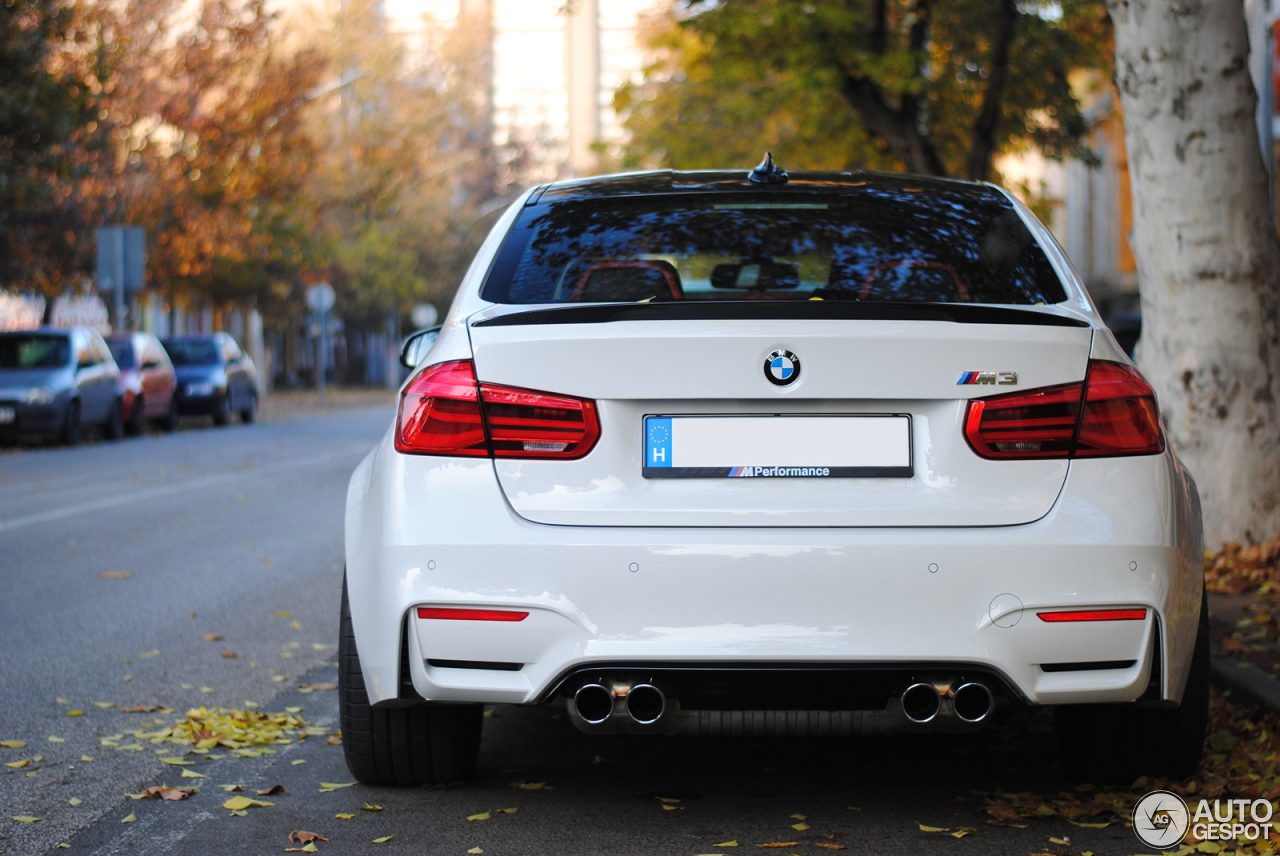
[230,788]
[192,774]
[26,818]
[130,819]
[507,810]
[798,817]
[86,759]
[62,700]
[959,833]
[75,713]
[484,815]
[726,844]
[924,828]
[475,851]
[13,744]
[384,839]
[241,813]
[1089,825]
[672,807]
[176,761]
[310,847]
[74,801]
[23,763]
[1064,842]
[238,803]
[104,704]
[344,816]
[53,738]
[799,827]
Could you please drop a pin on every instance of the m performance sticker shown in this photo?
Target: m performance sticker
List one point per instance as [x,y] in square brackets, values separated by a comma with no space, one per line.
[809,446]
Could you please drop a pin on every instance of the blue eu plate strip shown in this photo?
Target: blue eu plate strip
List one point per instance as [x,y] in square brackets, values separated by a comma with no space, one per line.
[657,442]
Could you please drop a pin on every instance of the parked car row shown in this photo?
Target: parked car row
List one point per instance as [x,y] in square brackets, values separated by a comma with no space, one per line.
[55,381]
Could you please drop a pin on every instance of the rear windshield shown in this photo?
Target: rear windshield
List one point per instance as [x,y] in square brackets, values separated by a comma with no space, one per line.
[873,244]
[192,352]
[34,352]
[122,351]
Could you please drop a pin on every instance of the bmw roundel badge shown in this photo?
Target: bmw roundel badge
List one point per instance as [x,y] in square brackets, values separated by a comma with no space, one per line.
[782,368]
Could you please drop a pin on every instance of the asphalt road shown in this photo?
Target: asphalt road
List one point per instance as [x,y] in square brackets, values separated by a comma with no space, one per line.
[238,532]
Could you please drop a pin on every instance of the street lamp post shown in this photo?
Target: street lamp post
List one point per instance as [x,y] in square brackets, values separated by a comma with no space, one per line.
[320,298]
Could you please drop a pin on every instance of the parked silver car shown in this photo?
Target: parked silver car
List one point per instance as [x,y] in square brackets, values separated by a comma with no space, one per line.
[54,381]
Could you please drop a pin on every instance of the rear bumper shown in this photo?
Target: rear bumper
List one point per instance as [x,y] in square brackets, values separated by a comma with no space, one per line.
[31,419]
[436,532]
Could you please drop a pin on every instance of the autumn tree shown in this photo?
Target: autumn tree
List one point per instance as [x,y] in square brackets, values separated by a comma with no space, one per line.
[841,84]
[1207,253]
[404,161]
[50,85]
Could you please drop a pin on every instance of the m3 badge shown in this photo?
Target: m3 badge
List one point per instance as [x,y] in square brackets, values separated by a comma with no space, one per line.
[1001,378]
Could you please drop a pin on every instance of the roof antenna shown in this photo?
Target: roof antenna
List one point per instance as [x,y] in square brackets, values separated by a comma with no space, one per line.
[768,172]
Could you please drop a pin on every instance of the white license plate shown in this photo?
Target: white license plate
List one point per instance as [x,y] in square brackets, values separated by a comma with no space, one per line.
[7,415]
[819,446]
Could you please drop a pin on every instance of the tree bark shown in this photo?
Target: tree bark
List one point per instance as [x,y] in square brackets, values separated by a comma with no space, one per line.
[1207,253]
[988,122]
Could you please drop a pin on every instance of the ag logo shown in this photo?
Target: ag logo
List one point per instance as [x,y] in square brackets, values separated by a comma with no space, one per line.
[1160,820]
[782,368]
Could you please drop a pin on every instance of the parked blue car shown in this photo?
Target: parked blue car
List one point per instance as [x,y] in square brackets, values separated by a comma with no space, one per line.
[54,381]
[215,377]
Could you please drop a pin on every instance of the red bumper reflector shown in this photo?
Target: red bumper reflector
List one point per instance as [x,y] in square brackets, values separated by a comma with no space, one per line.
[1095,615]
[471,614]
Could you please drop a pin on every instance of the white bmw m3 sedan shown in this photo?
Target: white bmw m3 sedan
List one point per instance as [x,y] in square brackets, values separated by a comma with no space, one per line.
[743,453]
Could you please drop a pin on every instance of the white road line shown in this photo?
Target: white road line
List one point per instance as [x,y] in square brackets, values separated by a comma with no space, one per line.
[178,487]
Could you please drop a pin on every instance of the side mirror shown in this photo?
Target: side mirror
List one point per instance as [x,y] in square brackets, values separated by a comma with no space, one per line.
[416,347]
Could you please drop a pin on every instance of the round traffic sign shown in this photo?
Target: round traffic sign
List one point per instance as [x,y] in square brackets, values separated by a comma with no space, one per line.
[320,297]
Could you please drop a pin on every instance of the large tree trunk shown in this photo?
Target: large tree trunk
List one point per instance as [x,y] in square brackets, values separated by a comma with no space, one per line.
[1208,257]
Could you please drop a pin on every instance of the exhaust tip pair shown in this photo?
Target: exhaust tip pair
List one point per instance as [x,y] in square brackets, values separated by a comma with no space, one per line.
[971,702]
[644,703]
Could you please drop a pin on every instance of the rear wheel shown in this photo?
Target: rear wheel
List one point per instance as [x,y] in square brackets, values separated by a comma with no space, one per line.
[70,435]
[1116,743]
[169,422]
[221,410]
[423,744]
[113,428]
[137,417]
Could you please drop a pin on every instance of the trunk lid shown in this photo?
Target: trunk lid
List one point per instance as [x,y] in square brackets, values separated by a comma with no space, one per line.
[716,367]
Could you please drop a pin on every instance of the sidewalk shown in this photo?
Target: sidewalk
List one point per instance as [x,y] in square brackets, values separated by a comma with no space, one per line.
[1244,661]
[292,403]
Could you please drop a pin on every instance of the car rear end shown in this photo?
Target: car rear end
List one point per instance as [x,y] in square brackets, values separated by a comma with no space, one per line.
[848,454]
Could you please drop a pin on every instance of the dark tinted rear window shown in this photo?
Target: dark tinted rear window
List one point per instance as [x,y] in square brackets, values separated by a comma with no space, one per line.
[192,352]
[34,351]
[881,244]
[122,352]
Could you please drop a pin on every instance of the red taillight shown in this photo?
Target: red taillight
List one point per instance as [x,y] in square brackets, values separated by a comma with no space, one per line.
[1095,615]
[1120,415]
[440,413]
[1117,416]
[444,411]
[450,614]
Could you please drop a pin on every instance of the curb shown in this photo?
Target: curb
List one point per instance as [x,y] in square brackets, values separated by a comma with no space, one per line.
[1246,679]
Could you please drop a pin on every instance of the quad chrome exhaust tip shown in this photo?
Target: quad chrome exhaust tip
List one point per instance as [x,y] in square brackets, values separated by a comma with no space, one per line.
[646,703]
[594,703]
[921,702]
[972,702]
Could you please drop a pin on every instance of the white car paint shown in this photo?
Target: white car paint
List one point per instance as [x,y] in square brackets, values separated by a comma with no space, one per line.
[616,569]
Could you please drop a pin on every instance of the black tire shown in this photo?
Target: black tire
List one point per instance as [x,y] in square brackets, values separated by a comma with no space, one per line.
[250,413]
[1117,743]
[420,744]
[137,417]
[70,435]
[221,410]
[169,422]
[113,428]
